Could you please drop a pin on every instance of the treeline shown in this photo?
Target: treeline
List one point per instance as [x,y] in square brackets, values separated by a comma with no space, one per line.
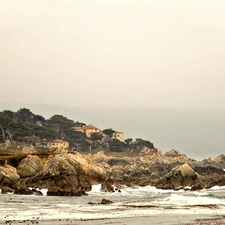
[25,126]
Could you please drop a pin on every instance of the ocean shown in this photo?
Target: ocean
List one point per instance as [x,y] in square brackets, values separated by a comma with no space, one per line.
[130,202]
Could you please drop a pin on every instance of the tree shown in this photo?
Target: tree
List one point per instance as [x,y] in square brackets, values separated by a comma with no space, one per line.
[9,113]
[39,119]
[5,120]
[116,145]
[128,141]
[129,144]
[19,130]
[96,137]
[109,132]
[140,143]
[60,124]
[24,116]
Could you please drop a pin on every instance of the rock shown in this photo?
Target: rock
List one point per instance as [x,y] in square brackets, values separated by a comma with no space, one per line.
[99,157]
[106,202]
[6,190]
[9,177]
[198,185]
[28,149]
[208,170]
[103,202]
[154,177]
[172,153]
[215,180]
[36,192]
[25,191]
[151,155]
[107,187]
[7,144]
[30,166]
[64,175]
[180,176]
[63,186]
[61,165]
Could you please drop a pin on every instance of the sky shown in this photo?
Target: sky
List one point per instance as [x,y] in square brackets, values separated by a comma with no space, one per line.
[114,52]
[117,54]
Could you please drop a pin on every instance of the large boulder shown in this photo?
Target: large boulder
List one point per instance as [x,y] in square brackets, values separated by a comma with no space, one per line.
[64,186]
[30,166]
[66,174]
[61,165]
[94,171]
[9,177]
[179,177]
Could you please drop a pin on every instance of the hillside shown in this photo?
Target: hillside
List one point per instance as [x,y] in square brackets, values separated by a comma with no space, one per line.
[24,128]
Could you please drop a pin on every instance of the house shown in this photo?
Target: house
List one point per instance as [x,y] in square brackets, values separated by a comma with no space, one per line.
[117,135]
[57,143]
[88,130]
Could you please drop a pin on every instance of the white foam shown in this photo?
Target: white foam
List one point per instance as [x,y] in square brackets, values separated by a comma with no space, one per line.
[179,200]
[217,188]
[96,188]
[55,207]
[43,191]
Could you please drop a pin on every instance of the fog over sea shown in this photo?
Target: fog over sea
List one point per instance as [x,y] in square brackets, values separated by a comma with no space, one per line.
[130,202]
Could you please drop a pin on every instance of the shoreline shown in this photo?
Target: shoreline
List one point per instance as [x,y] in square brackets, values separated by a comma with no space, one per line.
[163,219]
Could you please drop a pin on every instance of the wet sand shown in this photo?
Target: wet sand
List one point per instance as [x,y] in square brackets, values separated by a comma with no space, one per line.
[149,220]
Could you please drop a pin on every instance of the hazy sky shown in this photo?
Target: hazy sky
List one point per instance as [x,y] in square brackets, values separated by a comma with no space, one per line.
[113,52]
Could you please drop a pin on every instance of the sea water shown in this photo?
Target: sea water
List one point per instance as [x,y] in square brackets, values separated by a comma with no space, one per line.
[130,202]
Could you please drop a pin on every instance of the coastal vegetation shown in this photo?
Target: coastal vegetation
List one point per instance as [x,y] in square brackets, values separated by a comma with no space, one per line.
[25,126]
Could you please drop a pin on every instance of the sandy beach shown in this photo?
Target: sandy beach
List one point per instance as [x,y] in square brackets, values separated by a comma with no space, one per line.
[153,220]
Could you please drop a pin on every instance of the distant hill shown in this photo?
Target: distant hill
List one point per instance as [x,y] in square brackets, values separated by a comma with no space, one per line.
[28,127]
[199,134]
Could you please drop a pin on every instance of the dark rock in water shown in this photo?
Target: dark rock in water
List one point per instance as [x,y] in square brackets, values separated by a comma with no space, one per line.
[6,190]
[107,187]
[215,180]
[9,177]
[91,203]
[198,185]
[23,192]
[59,193]
[106,202]
[64,186]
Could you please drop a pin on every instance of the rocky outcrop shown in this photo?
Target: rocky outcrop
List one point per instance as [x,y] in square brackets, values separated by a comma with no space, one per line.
[63,174]
[107,186]
[179,177]
[9,177]
[72,174]
[30,166]
[208,170]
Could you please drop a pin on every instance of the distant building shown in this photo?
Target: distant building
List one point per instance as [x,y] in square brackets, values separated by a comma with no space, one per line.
[57,143]
[117,135]
[88,130]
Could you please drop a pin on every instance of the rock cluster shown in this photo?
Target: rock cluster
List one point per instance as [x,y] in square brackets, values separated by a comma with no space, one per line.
[73,174]
[62,174]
